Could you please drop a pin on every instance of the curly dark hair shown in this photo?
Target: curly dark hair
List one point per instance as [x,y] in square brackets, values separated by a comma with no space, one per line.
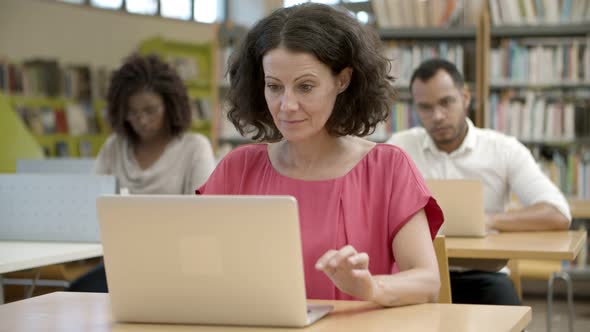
[141,73]
[336,39]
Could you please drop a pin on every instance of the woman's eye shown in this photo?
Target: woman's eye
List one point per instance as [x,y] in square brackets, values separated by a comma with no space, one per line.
[306,87]
[273,87]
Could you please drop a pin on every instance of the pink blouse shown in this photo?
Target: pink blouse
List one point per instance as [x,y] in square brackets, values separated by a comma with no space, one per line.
[364,208]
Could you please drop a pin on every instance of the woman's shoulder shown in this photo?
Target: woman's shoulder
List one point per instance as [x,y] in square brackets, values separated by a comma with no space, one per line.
[114,142]
[194,139]
[386,154]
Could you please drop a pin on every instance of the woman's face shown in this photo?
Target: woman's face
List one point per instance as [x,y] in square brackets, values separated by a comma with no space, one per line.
[300,92]
[146,114]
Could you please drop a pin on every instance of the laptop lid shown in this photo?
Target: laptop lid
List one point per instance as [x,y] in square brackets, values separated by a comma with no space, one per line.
[462,204]
[233,260]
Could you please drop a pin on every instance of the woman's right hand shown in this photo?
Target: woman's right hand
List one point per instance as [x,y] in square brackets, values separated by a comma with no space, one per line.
[349,271]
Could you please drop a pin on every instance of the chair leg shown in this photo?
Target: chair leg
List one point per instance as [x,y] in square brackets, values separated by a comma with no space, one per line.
[570,298]
[550,301]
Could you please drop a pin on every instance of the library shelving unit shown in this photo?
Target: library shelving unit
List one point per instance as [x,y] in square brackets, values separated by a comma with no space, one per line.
[407,47]
[229,35]
[537,88]
[196,64]
[56,104]
[46,117]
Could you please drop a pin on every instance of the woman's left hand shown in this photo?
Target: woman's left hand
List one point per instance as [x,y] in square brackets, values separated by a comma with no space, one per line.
[349,271]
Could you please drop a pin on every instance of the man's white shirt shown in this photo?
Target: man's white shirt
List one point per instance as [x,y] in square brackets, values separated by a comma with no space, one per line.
[501,162]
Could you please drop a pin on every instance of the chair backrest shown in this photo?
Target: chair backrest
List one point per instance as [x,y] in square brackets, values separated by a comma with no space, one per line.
[444,295]
[61,165]
[52,207]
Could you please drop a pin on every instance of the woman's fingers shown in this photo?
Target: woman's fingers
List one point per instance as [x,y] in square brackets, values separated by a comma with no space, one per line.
[359,261]
[323,261]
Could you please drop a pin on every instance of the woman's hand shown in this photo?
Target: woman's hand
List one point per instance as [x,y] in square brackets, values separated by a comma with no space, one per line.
[349,271]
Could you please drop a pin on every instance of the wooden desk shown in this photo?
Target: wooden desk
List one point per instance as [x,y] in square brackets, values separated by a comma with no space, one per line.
[559,245]
[580,208]
[61,312]
[22,255]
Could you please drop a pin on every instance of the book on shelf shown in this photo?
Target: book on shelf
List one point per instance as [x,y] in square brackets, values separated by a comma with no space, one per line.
[201,109]
[426,13]
[222,62]
[53,116]
[540,61]
[405,57]
[568,169]
[77,82]
[538,12]
[41,77]
[401,117]
[101,82]
[62,149]
[193,62]
[537,116]
[10,77]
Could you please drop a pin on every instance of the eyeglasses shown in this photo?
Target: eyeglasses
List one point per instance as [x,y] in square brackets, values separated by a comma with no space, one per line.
[429,111]
[148,112]
[444,106]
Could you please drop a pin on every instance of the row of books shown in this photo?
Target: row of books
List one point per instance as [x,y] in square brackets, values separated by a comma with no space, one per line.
[545,62]
[402,117]
[201,109]
[63,149]
[427,13]
[406,57]
[48,78]
[222,63]
[75,118]
[538,118]
[531,12]
[569,169]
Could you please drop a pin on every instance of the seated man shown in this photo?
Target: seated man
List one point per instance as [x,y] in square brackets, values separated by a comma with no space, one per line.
[449,146]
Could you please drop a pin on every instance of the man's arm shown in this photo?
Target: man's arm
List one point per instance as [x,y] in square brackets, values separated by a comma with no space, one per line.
[545,207]
[537,217]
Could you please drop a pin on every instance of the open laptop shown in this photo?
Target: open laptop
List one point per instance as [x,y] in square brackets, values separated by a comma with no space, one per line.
[462,204]
[228,260]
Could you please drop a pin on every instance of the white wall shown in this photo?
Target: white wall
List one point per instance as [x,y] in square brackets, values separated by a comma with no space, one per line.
[81,34]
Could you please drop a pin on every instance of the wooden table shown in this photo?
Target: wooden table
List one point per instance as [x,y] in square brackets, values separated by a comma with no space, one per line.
[579,208]
[61,312]
[22,255]
[558,245]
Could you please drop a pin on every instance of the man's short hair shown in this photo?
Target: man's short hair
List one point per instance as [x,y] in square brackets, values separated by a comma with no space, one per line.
[429,68]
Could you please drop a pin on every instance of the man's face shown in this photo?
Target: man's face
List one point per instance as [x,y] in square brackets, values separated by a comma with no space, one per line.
[442,108]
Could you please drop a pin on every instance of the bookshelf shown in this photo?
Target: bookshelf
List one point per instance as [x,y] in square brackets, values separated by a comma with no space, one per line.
[408,48]
[532,66]
[538,80]
[229,35]
[196,64]
[58,104]
[64,107]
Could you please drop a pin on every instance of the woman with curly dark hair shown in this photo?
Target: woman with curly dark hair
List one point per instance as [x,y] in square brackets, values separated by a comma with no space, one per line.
[310,80]
[150,151]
